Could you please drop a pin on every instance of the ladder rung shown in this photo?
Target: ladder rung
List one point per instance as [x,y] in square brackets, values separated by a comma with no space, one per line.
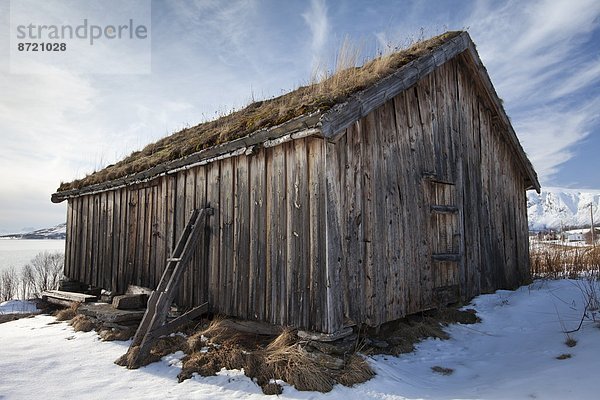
[173,259]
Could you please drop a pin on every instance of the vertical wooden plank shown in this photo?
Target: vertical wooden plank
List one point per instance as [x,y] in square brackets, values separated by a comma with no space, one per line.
[179,221]
[316,183]
[100,239]
[77,240]
[117,240]
[258,236]
[143,243]
[95,243]
[132,222]
[171,192]
[190,272]
[213,199]
[108,244]
[67,271]
[355,223]
[368,207]
[334,168]
[154,234]
[226,278]
[297,233]
[241,239]
[276,235]
[140,267]
[125,241]
[161,230]
[201,254]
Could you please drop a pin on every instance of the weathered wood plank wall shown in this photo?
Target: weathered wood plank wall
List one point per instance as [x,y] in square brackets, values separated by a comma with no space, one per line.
[266,257]
[436,144]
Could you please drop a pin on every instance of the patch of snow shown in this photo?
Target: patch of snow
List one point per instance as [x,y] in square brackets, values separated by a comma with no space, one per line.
[18,307]
[511,354]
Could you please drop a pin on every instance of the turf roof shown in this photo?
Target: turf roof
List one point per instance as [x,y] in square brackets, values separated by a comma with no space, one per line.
[318,97]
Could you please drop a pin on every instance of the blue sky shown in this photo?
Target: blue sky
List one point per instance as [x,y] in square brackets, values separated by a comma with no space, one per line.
[209,57]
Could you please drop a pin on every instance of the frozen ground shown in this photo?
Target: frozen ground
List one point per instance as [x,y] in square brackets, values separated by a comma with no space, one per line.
[511,354]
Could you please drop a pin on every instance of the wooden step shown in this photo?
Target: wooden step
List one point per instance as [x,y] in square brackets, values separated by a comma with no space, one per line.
[68,297]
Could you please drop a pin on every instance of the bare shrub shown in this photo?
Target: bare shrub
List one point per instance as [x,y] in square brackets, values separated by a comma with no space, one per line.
[45,271]
[8,284]
[27,282]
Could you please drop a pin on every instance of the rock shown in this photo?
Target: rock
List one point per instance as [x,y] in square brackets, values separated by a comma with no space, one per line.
[325,360]
[326,337]
[382,344]
[339,347]
[130,301]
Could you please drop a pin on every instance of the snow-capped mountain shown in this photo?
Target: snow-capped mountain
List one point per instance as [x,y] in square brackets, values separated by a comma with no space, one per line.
[556,207]
[57,232]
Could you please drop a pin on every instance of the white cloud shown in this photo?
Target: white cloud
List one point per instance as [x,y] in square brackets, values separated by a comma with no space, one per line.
[582,77]
[318,23]
[548,134]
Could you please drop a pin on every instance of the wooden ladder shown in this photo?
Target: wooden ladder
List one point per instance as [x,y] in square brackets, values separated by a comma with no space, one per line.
[154,323]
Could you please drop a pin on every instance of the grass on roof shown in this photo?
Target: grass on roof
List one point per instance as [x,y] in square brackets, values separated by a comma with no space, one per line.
[319,96]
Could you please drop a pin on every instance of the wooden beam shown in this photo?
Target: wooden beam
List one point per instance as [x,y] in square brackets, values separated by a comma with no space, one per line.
[446,257]
[443,209]
[173,325]
[68,296]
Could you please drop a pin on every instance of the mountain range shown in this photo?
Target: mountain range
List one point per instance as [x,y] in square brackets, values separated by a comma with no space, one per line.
[57,232]
[554,208]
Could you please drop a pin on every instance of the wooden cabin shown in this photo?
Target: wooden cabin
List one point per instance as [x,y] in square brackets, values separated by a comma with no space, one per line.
[405,192]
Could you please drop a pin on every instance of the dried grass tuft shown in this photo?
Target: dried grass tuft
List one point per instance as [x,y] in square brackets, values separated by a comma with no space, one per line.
[356,371]
[196,342]
[199,362]
[168,345]
[282,358]
[109,335]
[293,364]
[272,389]
[81,323]
[67,313]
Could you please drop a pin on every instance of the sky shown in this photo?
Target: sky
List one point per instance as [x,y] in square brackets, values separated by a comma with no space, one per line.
[208,58]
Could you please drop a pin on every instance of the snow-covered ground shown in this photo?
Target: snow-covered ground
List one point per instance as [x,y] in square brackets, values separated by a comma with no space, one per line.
[511,354]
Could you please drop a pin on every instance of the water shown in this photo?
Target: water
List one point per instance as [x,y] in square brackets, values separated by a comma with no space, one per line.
[16,253]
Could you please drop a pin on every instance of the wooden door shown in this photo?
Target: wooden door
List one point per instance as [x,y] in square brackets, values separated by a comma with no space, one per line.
[445,242]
